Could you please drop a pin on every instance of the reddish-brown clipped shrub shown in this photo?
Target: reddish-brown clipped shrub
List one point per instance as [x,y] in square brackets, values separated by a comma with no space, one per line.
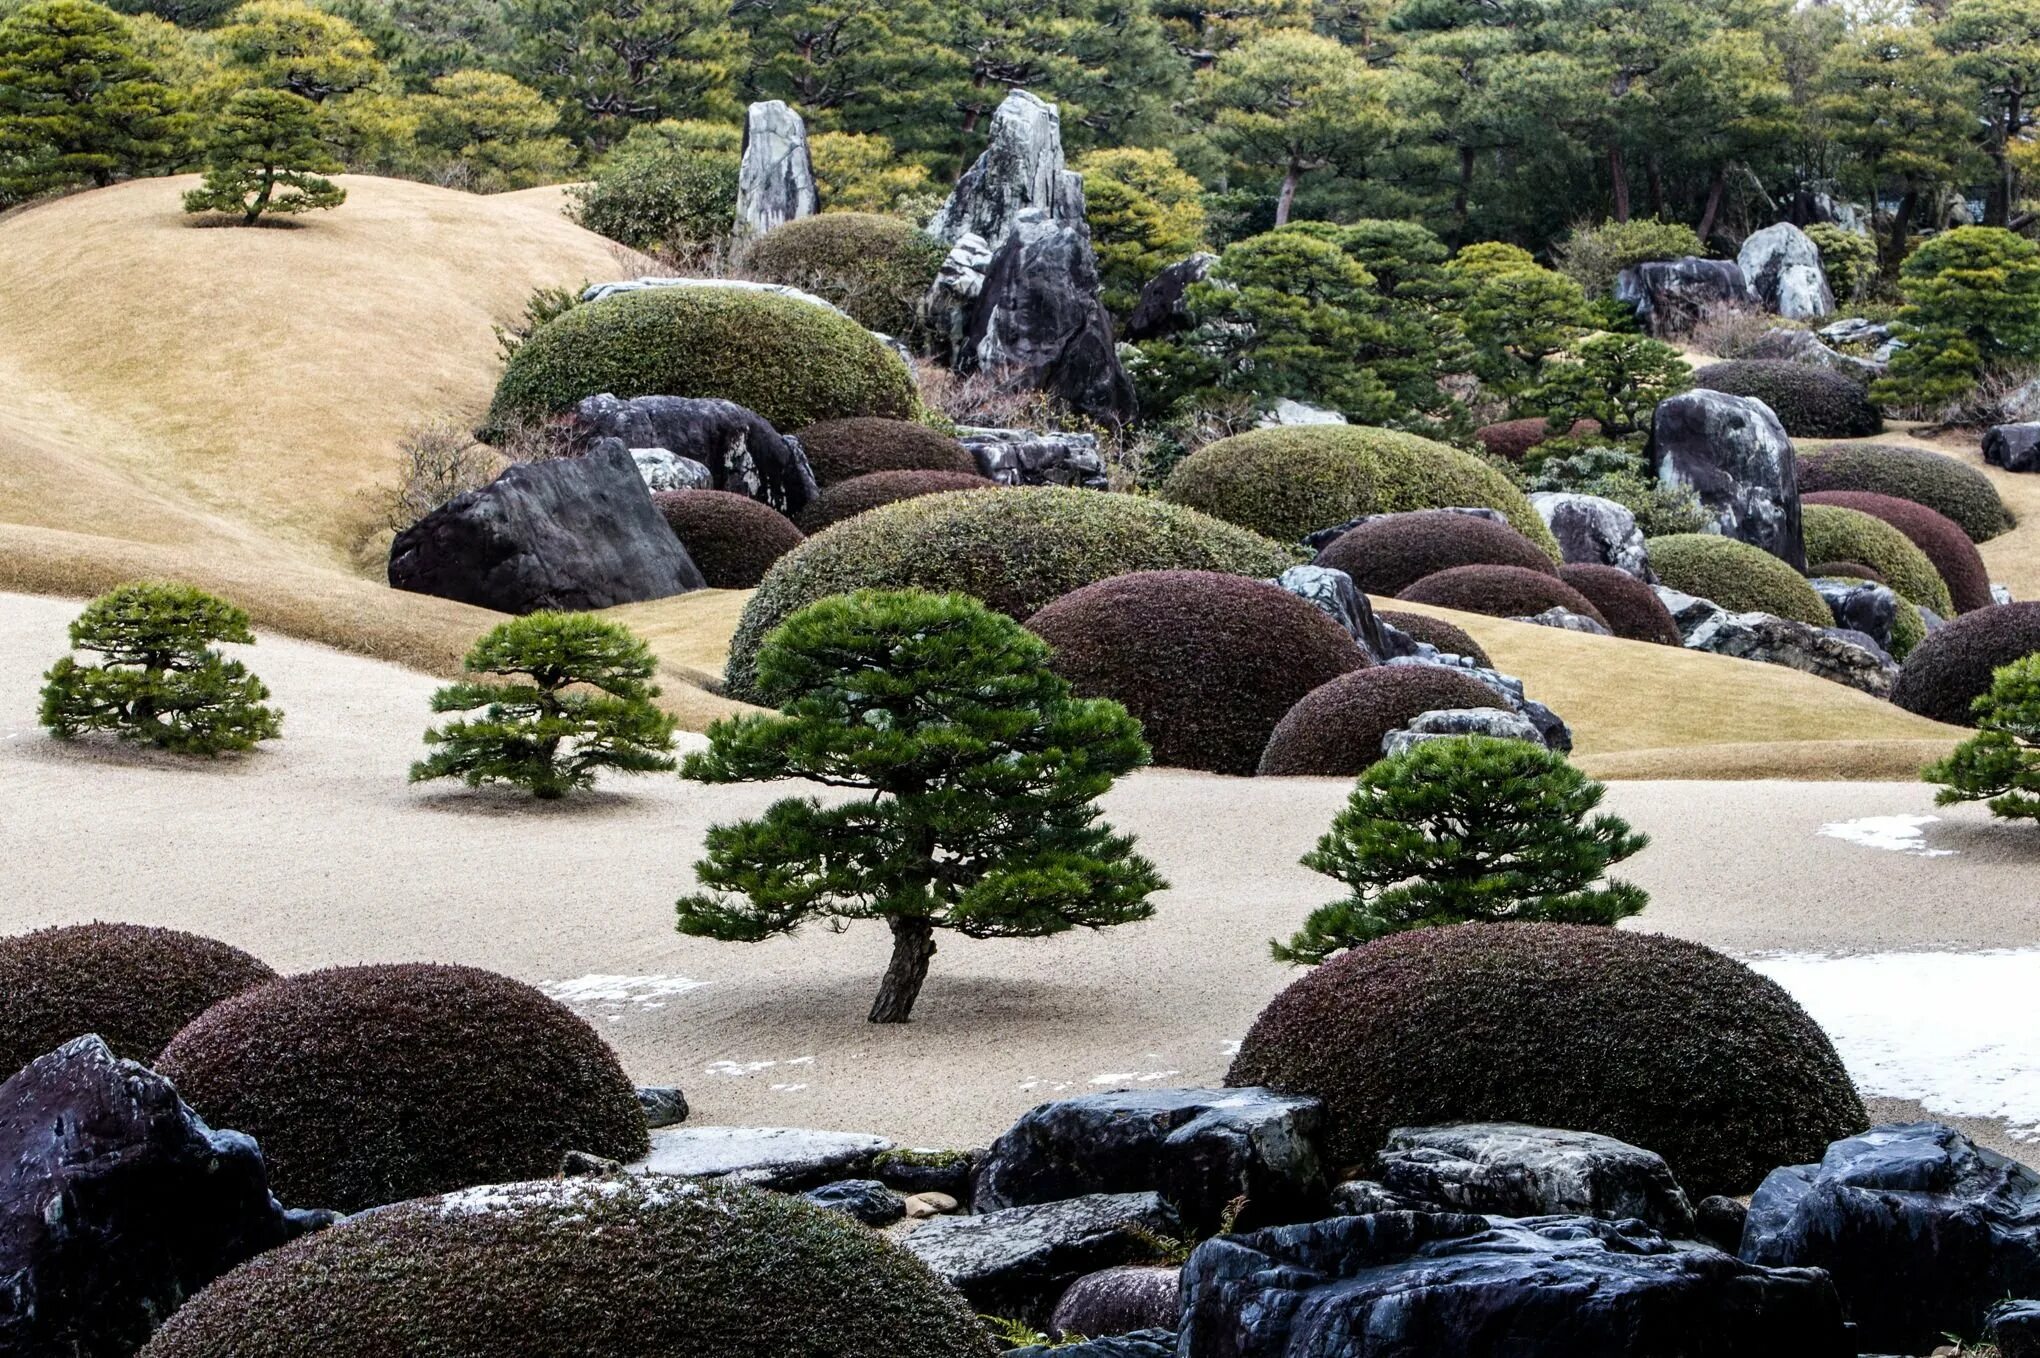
[1937,536]
[369,1085]
[133,985]
[1845,570]
[846,498]
[1943,484]
[1499,592]
[733,538]
[1389,554]
[1954,666]
[1207,662]
[1631,607]
[1659,1042]
[1335,731]
[1445,636]
[1512,438]
[840,449]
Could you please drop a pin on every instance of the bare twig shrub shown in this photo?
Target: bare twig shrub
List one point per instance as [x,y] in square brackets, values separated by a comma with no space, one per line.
[438,461]
[1729,331]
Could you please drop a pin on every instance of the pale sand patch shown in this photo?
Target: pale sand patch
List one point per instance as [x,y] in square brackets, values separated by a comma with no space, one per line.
[315,852]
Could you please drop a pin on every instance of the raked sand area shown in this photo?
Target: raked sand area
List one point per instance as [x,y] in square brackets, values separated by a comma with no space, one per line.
[315,852]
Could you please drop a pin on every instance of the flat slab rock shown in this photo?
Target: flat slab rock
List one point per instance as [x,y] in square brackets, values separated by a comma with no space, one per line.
[768,1157]
[1018,1261]
[1420,1283]
[1507,1169]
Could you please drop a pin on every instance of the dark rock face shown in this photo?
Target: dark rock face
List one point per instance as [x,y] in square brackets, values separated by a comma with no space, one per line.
[1413,1283]
[1119,1301]
[741,451]
[1038,325]
[117,1203]
[1734,454]
[1719,1222]
[572,534]
[1505,1169]
[1164,305]
[2014,1326]
[1144,1344]
[1017,1262]
[1669,295]
[1028,457]
[664,1105]
[2015,447]
[865,1200]
[1198,1148]
[1922,1230]
[1334,594]
[1593,531]
[1860,606]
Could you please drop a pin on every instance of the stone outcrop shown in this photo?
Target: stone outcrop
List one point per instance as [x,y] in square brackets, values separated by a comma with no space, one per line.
[1032,457]
[1781,264]
[1550,726]
[569,533]
[1922,1230]
[1494,722]
[776,179]
[1022,167]
[1164,305]
[117,1203]
[1789,345]
[2014,447]
[1565,620]
[742,452]
[1481,1287]
[1733,453]
[1119,1301]
[1333,593]
[766,1157]
[1506,1169]
[1832,653]
[1668,296]
[1594,531]
[1018,1261]
[1861,606]
[1198,1148]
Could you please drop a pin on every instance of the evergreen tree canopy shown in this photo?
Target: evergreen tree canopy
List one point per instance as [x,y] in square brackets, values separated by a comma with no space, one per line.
[265,140]
[2001,763]
[77,102]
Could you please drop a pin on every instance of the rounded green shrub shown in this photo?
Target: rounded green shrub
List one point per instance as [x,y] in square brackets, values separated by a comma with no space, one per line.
[840,449]
[847,499]
[1500,592]
[733,538]
[1739,577]
[1209,663]
[1939,538]
[1632,608]
[1335,730]
[1013,548]
[1291,482]
[1447,637]
[1389,554]
[791,361]
[1956,664]
[1810,402]
[1836,533]
[600,1268]
[875,267]
[1653,1040]
[134,986]
[1942,484]
[369,1085]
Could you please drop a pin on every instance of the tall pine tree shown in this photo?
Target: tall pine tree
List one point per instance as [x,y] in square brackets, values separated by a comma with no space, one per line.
[77,103]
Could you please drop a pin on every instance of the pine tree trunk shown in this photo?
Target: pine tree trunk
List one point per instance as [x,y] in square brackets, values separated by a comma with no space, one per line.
[913,946]
[1618,178]
[1713,210]
[1464,190]
[1287,202]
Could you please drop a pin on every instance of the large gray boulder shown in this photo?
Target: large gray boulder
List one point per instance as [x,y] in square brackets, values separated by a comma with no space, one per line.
[1496,723]
[1119,1301]
[1333,593]
[1022,168]
[1038,323]
[1668,296]
[1017,1262]
[1831,653]
[1164,305]
[1782,267]
[117,1203]
[1507,1169]
[1861,606]
[764,1157]
[1594,531]
[1036,457]
[741,451]
[2014,447]
[1733,453]
[574,534]
[1922,1230]
[1198,1148]
[1420,1283]
[776,180]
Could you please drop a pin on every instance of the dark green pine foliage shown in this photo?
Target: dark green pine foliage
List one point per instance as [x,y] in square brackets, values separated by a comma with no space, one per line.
[573,694]
[980,770]
[265,140]
[159,679]
[2001,763]
[78,104]
[1467,829]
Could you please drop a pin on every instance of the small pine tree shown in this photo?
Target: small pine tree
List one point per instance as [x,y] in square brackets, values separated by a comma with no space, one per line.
[1466,829]
[159,679]
[1972,304]
[2001,763]
[78,103]
[982,773]
[1616,380]
[266,139]
[550,734]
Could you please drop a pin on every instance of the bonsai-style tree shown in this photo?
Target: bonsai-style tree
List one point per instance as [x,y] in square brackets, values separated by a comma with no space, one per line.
[263,139]
[1616,380]
[2001,763]
[1467,829]
[160,679]
[584,703]
[981,772]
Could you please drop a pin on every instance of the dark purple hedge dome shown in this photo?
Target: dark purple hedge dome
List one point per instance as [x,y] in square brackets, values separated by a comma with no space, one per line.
[1336,729]
[1392,553]
[1499,592]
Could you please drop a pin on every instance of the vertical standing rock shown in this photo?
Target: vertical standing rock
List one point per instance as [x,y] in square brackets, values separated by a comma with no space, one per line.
[1038,323]
[1733,453]
[776,182]
[1782,266]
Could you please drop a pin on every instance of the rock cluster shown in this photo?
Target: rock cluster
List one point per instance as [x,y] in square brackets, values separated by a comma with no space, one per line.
[1833,653]
[742,452]
[1668,296]
[1029,457]
[1782,266]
